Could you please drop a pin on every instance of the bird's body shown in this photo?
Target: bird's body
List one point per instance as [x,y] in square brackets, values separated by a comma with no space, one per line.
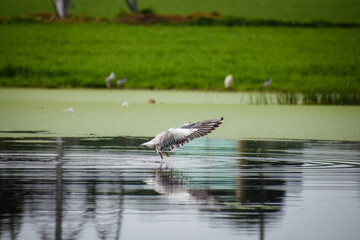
[109,78]
[266,83]
[174,138]
[120,82]
[228,81]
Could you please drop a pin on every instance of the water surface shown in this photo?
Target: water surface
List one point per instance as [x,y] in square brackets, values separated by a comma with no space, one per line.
[109,188]
[41,113]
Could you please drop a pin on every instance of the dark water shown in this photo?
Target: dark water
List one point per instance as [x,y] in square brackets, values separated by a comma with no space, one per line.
[109,188]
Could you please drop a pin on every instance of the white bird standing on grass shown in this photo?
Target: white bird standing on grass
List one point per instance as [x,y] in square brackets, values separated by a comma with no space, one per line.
[228,81]
[174,138]
[109,78]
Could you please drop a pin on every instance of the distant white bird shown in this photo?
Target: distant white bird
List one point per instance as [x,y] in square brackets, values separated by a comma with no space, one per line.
[120,82]
[125,104]
[69,109]
[109,78]
[228,81]
[174,138]
[266,83]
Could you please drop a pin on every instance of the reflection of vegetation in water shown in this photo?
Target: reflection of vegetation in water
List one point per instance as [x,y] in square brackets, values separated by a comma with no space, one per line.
[12,203]
[99,192]
[59,202]
[243,183]
[258,193]
[256,196]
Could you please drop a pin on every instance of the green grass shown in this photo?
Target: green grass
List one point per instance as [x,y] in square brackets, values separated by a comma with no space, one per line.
[297,10]
[182,57]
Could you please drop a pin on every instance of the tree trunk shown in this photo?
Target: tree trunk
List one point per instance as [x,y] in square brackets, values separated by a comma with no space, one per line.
[61,7]
[132,5]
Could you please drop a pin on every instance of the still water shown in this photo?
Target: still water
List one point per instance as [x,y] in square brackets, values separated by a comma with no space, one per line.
[110,188]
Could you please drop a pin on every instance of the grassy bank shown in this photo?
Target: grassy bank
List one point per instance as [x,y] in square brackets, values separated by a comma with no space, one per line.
[193,19]
[294,10]
[183,57]
[40,112]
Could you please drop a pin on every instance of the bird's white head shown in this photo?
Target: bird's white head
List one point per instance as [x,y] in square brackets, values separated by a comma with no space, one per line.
[149,144]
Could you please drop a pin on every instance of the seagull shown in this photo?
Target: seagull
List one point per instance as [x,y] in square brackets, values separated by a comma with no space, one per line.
[109,78]
[174,138]
[266,83]
[228,81]
[120,82]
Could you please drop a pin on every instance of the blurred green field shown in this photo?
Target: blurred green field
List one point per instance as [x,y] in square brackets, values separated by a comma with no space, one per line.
[296,10]
[181,57]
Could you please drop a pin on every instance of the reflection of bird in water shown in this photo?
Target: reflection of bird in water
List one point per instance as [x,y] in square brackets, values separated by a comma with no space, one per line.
[266,83]
[120,82]
[175,186]
[228,81]
[177,137]
[109,78]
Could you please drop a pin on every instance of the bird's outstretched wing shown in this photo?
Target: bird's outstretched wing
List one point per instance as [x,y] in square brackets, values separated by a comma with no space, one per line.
[177,137]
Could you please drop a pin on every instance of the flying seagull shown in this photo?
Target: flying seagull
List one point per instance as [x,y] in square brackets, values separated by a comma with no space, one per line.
[174,138]
[228,81]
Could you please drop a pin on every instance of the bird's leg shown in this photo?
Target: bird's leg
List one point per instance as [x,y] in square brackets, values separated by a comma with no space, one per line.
[157,151]
[167,154]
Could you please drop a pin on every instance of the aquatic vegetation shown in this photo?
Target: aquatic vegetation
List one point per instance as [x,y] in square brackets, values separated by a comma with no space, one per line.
[331,98]
[306,98]
[288,98]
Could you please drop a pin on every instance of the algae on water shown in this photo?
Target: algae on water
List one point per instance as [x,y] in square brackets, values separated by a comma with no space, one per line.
[39,112]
